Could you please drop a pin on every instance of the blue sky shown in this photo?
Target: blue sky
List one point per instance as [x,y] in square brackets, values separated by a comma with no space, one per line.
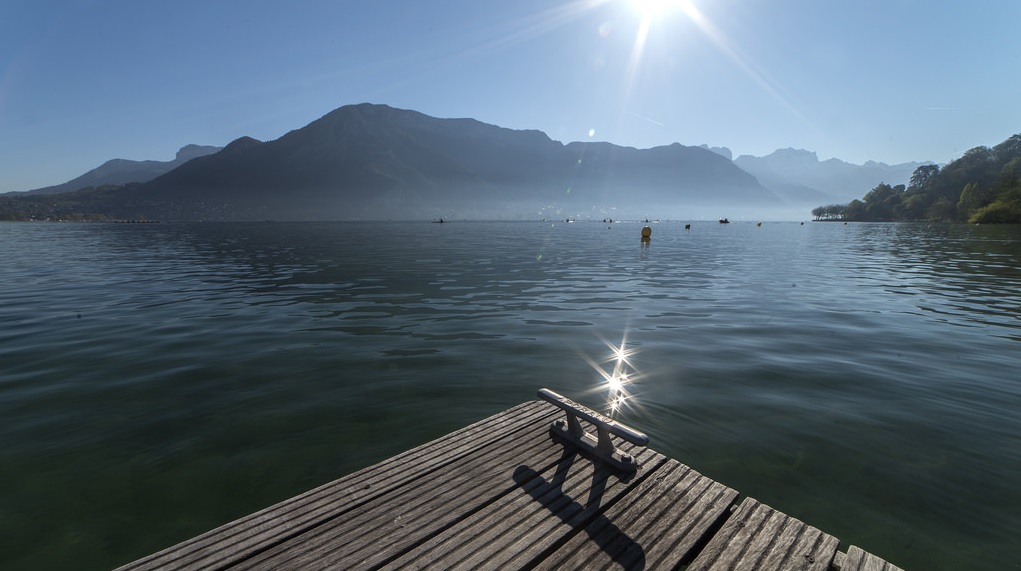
[84,81]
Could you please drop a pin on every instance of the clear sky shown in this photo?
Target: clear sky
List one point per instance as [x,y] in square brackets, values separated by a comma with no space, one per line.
[84,81]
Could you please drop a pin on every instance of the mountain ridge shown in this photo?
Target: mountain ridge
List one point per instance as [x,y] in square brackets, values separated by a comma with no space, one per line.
[123,171]
[371,161]
[798,174]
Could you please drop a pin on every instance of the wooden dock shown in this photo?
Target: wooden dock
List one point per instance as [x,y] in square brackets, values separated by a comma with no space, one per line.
[505,493]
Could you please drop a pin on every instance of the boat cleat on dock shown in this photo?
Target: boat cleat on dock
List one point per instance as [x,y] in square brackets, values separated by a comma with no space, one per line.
[599,447]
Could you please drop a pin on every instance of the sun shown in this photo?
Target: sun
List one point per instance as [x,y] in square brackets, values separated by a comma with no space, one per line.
[652,10]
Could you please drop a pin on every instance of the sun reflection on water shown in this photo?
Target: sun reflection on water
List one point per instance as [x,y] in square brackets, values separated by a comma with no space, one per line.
[617,373]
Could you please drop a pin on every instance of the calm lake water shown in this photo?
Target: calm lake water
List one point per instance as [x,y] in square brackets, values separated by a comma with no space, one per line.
[159,380]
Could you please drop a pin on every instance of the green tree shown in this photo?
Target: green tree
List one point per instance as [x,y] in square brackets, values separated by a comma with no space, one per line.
[942,210]
[884,202]
[855,210]
[914,205]
[922,177]
[972,198]
[1008,150]
[1010,174]
[829,212]
[983,185]
[999,212]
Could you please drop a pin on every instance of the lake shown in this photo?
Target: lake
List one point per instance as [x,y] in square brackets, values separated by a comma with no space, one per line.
[157,380]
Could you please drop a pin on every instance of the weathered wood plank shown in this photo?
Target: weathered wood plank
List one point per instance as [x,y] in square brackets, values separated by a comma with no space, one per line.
[759,537]
[503,493]
[251,534]
[391,525]
[858,559]
[659,525]
[547,506]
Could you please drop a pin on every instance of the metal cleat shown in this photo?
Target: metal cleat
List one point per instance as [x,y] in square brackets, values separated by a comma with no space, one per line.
[601,446]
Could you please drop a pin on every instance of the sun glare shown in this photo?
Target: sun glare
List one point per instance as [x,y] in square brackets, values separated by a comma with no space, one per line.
[651,12]
[653,9]
[617,373]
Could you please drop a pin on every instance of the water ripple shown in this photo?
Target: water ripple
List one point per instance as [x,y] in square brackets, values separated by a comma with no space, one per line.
[171,377]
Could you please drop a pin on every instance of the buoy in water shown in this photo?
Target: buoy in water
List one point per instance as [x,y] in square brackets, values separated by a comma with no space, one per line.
[687,226]
[646,232]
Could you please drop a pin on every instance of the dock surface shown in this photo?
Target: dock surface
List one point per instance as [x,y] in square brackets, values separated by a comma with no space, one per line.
[503,494]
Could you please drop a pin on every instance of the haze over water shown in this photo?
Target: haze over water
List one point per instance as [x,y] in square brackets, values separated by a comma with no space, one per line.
[159,380]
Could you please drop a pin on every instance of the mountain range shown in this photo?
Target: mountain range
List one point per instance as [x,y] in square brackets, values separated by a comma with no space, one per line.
[373,162]
[123,171]
[800,177]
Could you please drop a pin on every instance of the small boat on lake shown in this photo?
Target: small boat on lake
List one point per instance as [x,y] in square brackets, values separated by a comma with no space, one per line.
[724,221]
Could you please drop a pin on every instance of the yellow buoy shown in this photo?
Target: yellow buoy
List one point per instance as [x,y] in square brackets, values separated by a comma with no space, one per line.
[646,232]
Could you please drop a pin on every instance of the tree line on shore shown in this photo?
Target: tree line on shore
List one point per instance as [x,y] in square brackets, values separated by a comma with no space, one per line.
[981,187]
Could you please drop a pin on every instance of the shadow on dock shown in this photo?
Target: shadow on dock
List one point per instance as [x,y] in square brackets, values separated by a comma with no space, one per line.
[624,550]
[518,491]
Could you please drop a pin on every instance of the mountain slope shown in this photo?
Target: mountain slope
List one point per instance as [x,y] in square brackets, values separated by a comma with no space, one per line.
[123,171]
[800,177]
[374,161]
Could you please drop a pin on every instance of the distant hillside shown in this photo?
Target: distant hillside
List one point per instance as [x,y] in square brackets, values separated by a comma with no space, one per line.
[123,171]
[373,162]
[981,187]
[798,176]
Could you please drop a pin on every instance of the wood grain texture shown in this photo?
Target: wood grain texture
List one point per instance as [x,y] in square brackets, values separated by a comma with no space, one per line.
[243,538]
[759,537]
[858,559]
[660,525]
[504,494]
